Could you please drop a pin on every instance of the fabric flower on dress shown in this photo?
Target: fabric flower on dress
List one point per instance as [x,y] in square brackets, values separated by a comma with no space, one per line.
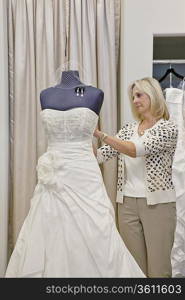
[47,170]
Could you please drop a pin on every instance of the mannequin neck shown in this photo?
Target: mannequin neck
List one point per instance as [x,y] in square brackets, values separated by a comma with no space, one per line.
[70,79]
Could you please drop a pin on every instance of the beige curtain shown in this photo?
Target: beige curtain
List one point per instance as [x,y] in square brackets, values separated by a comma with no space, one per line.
[36,48]
[4,137]
[46,37]
[93,49]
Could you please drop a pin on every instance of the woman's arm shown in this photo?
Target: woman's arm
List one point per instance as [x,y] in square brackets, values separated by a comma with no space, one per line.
[164,139]
[105,152]
[121,146]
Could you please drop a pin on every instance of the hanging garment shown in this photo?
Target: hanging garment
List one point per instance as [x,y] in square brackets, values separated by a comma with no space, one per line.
[175,102]
[70,230]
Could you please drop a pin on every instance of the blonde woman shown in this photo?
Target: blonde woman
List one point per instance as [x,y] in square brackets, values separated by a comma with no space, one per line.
[145,191]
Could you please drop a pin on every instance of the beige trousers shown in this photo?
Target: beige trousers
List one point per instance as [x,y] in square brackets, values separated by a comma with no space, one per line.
[148,233]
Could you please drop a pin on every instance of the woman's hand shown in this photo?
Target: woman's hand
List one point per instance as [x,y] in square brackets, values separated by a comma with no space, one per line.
[125,147]
[97,133]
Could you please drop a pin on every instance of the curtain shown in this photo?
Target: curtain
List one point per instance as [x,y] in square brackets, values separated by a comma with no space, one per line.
[36,48]
[4,136]
[93,48]
[45,38]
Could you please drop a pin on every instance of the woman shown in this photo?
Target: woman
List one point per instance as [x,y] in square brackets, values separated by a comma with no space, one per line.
[146,195]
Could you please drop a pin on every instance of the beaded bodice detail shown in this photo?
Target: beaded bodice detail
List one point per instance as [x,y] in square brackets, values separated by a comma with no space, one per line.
[74,125]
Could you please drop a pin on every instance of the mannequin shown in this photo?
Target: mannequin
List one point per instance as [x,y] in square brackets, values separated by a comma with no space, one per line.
[71,93]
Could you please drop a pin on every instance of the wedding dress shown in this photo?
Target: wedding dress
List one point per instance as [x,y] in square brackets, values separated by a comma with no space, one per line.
[70,229]
[175,102]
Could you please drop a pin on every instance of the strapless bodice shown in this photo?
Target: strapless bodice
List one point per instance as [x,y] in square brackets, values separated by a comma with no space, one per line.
[69,126]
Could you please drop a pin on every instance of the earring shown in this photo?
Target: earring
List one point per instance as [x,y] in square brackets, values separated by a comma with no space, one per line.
[82,92]
[77,91]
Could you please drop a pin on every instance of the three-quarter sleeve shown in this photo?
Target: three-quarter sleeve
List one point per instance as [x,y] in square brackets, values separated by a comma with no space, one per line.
[106,152]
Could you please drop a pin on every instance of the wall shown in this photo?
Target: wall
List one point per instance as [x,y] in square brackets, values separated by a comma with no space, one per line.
[141,19]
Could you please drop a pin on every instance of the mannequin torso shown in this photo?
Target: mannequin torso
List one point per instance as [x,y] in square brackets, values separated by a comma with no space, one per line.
[71,93]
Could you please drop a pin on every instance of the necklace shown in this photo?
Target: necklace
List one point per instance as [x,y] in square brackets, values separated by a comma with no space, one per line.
[141,132]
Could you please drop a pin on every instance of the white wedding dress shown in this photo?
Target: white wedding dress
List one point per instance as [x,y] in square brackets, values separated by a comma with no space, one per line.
[175,99]
[70,229]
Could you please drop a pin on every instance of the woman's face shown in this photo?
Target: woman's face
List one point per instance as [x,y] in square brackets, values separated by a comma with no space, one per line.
[141,101]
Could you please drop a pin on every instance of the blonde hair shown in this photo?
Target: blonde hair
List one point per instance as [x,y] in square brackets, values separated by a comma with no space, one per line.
[152,88]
